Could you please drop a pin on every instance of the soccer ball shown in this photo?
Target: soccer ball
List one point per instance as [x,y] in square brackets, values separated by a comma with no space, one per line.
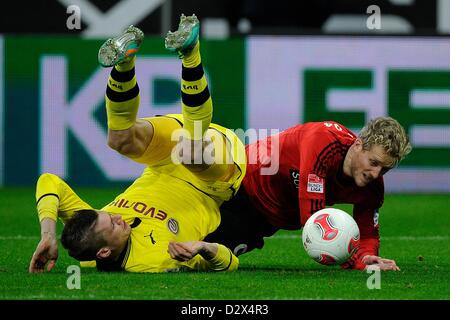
[330,236]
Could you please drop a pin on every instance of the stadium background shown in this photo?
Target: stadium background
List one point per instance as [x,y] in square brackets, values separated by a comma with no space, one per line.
[269,66]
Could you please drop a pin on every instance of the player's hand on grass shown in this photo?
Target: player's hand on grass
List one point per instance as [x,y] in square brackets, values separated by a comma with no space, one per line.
[184,251]
[383,264]
[46,254]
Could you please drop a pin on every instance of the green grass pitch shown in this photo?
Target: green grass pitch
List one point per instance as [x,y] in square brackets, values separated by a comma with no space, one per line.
[415,231]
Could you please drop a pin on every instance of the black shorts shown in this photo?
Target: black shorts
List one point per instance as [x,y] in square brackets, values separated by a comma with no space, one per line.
[242,227]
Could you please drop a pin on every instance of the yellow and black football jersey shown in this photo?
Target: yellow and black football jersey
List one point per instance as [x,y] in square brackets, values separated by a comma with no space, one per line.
[166,203]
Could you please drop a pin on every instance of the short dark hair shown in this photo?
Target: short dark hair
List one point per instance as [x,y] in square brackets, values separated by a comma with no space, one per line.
[78,236]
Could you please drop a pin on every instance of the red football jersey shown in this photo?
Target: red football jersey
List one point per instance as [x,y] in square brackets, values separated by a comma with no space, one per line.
[299,171]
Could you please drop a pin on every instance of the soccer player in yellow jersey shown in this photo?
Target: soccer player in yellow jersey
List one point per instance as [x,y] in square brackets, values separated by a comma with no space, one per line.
[158,223]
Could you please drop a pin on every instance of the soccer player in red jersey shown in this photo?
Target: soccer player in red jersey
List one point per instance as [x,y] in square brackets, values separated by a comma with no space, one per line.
[319,164]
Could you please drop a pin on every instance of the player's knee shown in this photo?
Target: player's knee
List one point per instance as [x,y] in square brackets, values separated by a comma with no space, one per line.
[190,154]
[120,140]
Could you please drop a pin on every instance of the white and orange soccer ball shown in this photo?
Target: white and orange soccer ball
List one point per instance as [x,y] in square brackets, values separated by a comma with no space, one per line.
[330,236]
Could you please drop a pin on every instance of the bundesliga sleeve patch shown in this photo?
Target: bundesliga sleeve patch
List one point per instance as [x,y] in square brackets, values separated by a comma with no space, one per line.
[315,183]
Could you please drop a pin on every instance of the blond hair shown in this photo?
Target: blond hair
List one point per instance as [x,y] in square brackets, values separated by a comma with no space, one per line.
[389,134]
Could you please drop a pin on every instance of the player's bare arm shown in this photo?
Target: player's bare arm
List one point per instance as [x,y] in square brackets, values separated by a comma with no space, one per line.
[46,252]
[54,199]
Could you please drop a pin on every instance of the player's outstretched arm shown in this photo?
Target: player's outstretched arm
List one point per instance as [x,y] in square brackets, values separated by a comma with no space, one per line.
[46,252]
[54,199]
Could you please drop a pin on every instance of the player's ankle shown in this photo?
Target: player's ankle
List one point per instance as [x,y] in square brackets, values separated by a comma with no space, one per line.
[126,65]
[192,58]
